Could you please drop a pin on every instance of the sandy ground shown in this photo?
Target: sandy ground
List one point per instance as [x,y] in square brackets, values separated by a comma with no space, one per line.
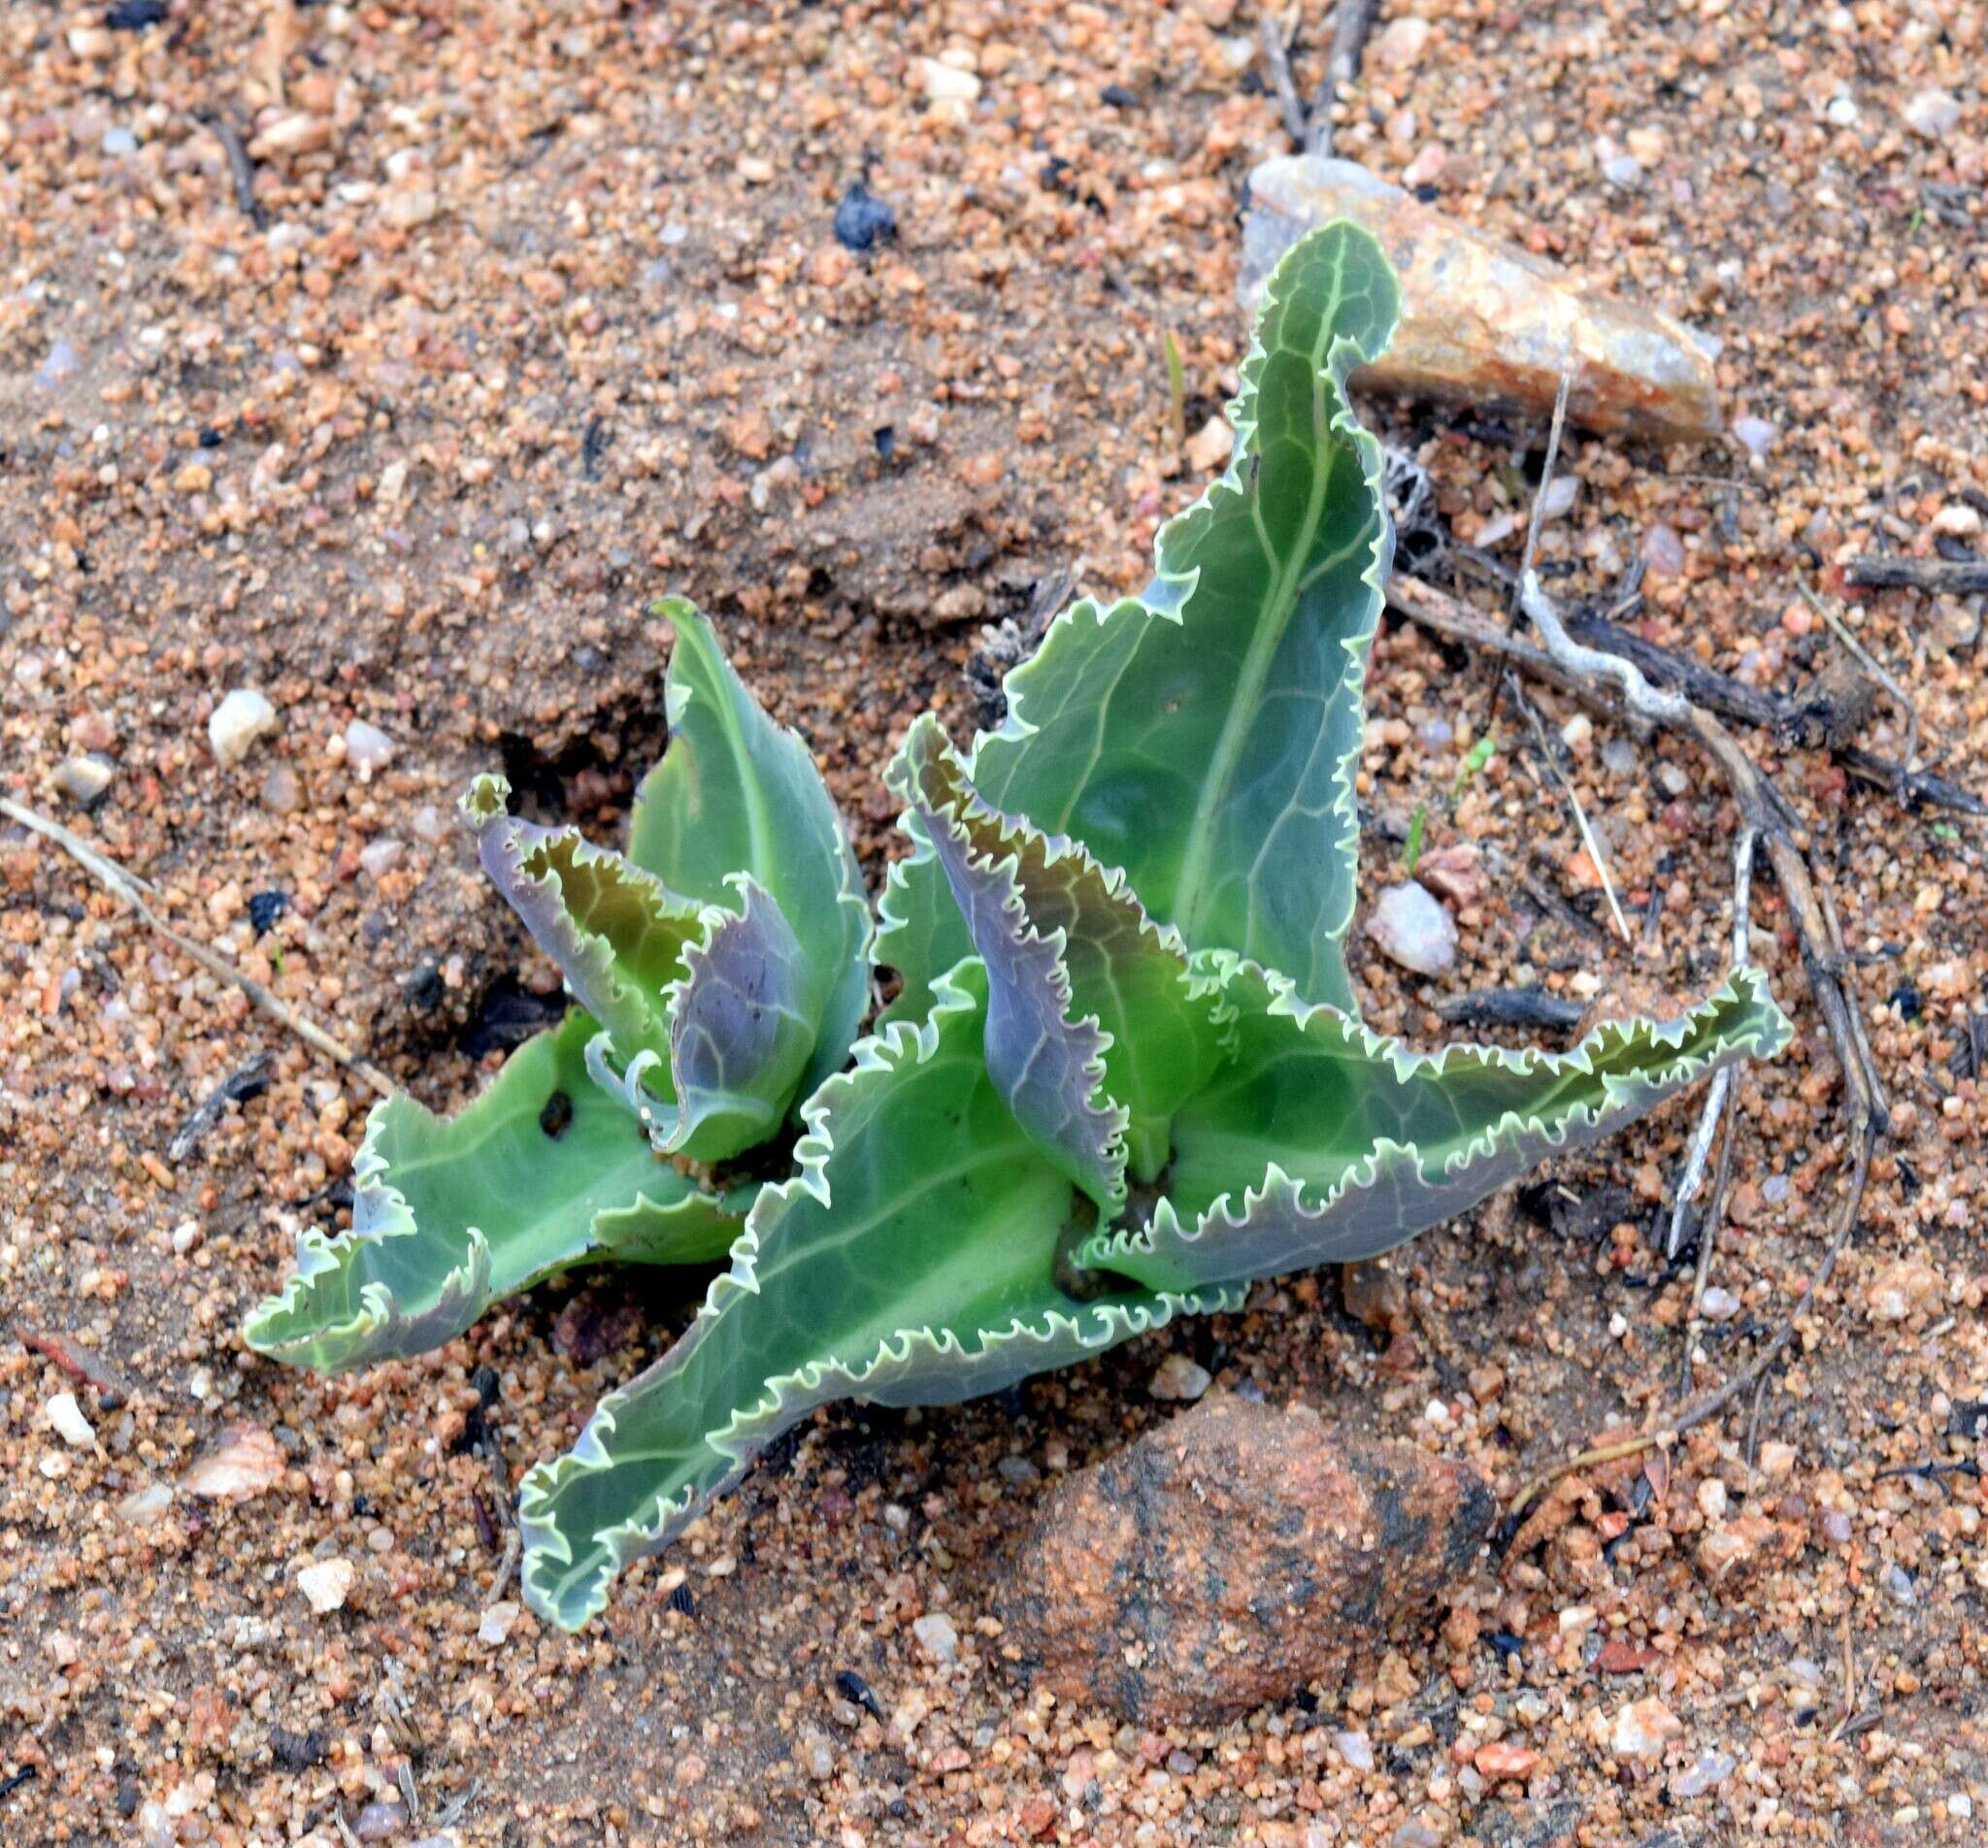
[539,313]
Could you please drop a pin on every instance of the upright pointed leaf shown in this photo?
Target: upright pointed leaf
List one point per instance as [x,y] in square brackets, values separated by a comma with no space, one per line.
[740,1037]
[541,1173]
[616,932]
[1203,737]
[911,1261]
[1046,1058]
[919,930]
[1083,984]
[735,793]
[1323,1142]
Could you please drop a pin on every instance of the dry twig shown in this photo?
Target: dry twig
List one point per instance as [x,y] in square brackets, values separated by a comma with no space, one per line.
[1351,22]
[1766,813]
[1787,719]
[241,169]
[133,890]
[1580,815]
[1277,54]
[1693,1176]
[1952,577]
[1531,1006]
[1534,523]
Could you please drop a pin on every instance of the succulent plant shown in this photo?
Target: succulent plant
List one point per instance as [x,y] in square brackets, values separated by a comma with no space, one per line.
[1123,1076]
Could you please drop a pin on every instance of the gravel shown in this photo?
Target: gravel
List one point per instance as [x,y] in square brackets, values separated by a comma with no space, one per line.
[439,303]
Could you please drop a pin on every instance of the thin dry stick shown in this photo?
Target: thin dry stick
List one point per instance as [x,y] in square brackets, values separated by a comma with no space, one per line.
[1870,663]
[1693,1176]
[1707,1238]
[132,890]
[1277,54]
[1351,22]
[1819,934]
[1580,817]
[241,169]
[1533,524]
[1670,1430]
[1443,614]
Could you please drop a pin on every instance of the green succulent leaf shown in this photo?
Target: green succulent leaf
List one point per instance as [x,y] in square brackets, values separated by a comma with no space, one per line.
[1320,1142]
[1120,934]
[616,932]
[912,1260]
[740,1037]
[736,794]
[1203,736]
[541,1173]
[1097,1029]
[919,931]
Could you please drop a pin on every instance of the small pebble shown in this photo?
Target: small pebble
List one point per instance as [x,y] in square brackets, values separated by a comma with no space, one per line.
[1719,1306]
[118,140]
[936,1635]
[1776,1461]
[143,1506]
[1356,1749]
[1756,434]
[1933,113]
[947,83]
[863,221]
[62,364]
[1899,1583]
[281,792]
[1178,1378]
[1643,1728]
[71,1426]
[1663,552]
[327,1583]
[1399,47]
[1411,928]
[1711,1769]
[381,856]
[237,722]
[247,1463]
[1019,1470]
[1210,447]
[379,1822]
[83,780]
[497,1621]
[367,748]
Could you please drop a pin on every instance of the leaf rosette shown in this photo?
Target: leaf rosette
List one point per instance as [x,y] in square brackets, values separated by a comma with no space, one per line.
[1124,1074]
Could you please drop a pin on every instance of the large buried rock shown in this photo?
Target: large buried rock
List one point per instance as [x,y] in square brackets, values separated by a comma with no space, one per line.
[1486,324]
[1230,1556]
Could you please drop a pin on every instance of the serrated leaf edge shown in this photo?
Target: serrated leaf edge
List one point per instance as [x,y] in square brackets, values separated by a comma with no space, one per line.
[788,1397]
[1745,986]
